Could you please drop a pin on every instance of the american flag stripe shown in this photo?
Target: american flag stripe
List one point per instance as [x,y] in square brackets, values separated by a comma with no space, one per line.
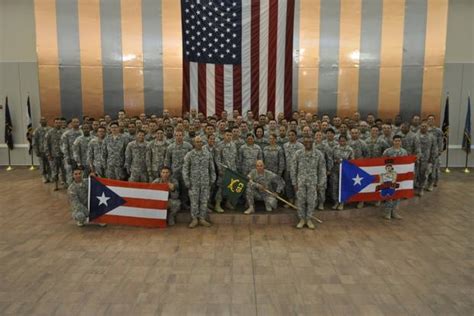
[186,87]
[211,90]
[228,88]
[272,52]
[280,56]
[255,55]
[237,95]
[202,86]
[263,55]
[219,74]
[246,53]
[289,57]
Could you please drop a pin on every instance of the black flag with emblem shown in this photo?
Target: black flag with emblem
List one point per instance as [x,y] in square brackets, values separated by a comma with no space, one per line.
[234,185]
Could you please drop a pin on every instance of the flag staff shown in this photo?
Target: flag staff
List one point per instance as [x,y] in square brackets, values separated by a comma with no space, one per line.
[9,168]
[29,133]
[32,167]
[468,137]
[446,131]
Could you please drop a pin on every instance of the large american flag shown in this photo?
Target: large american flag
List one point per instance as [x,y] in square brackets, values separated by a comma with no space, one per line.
[237,55]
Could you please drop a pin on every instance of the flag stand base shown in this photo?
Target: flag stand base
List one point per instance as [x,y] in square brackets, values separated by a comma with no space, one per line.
[32,168]
[447,170]
[466,170]
[9,168]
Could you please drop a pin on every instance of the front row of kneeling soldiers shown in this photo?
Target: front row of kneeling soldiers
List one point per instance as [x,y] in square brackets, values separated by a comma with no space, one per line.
[199,172]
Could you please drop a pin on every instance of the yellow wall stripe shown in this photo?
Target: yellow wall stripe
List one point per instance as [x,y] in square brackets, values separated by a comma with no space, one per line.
[435,48]
[308,69]
[349,50]
[91,58]
[391,58]
[172,57]
[132,54]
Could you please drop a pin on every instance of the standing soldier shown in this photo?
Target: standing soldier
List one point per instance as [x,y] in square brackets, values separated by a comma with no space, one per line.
[114,153]
[439,137]
[174,159]
[135,159]
[67,141]
[290,148]
[360,150]
[174,204]
[387,136]
[282,137]
[410,141]
[273,156]
[308,174]
[260,180]
[236,139]
[198,175]
[80,149]
[327,152]
[429,152]
[249,153]
[225,156]
[374,143]
[330,138]
[39,137]
[341,152]
[53,152]
[95,153]
[395,151]
[156,154]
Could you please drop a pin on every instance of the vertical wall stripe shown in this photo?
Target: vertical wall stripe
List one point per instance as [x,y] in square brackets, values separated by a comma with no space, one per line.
[391,53]
[413,57]
[91,58]
[152,56]
[308,72]
[172,56]
[111,35]
[69,58]
[132,52]
[435,48]
[47,52]
[349,51]
[296,52]
[370,41]
[328,56]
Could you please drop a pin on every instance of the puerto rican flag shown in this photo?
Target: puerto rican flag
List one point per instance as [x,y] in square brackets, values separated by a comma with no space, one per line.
[127,203]
[360,179]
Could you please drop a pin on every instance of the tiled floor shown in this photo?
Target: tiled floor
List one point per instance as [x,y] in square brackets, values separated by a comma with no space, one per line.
[422,265]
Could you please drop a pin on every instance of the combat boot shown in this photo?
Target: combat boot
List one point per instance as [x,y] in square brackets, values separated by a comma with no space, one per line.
[310,224]
[396,215]
[321,207]
[300,224]
[193,223]
[218,207]
[204,223]
[229,206]
[250,210]
[340,207]
[334,207]
[430,188]
[360,205]
[171,220]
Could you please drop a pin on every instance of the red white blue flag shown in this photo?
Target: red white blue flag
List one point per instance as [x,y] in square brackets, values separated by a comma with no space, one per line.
[363,180]
[127,203]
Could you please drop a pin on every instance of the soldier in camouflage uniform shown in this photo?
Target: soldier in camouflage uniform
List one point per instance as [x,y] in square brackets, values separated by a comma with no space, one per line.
[131,132]
[410,141]
[198,175]
[308,174]
[429,153]
[439,136]
[52,149]
[39,137]
[260,138]
[374,143]
[330,138]
[174,204]
[360,150]
[273,156]
[67,141]
[282,137]
[238,141]
[341,152]
[114,153]
[290,148]
[156,154]
[135,159]
[95,153]
[174,159]
[77,192]
[261,179]
[395,151]
[327,152]
[386,139]
[249,154]
[225,156]
[80,150]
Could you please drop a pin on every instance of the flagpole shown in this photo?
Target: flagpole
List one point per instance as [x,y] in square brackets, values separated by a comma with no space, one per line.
[32,167]
[466,169]
[447,138]
[9,168]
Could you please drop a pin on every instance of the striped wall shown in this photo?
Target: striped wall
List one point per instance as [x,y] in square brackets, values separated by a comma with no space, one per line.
[379,56]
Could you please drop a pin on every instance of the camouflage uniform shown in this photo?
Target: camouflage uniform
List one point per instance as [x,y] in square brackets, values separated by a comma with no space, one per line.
[174,204]
[308,174]
[248,156]
[52,148]
[198,175]
[80,150]
[268,179]
[114,156]
[78,200]
[411,143]
[274,159]
[327,152]
[290,149]
[155,158]
[135,161]
[95,156]
[391,205]
[238,143]
[429,152]
[439,136]
[360,148]
[339,154]
[262,142]
[39,138]
[281,141]
[331,144]
[174,159]
[386,141]
[374,147]
[225,154]
[67,142]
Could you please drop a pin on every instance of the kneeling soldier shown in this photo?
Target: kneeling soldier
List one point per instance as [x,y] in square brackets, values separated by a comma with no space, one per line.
[174,203]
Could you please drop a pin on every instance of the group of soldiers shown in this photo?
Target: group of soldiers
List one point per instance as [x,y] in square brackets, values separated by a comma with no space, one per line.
[297,157]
